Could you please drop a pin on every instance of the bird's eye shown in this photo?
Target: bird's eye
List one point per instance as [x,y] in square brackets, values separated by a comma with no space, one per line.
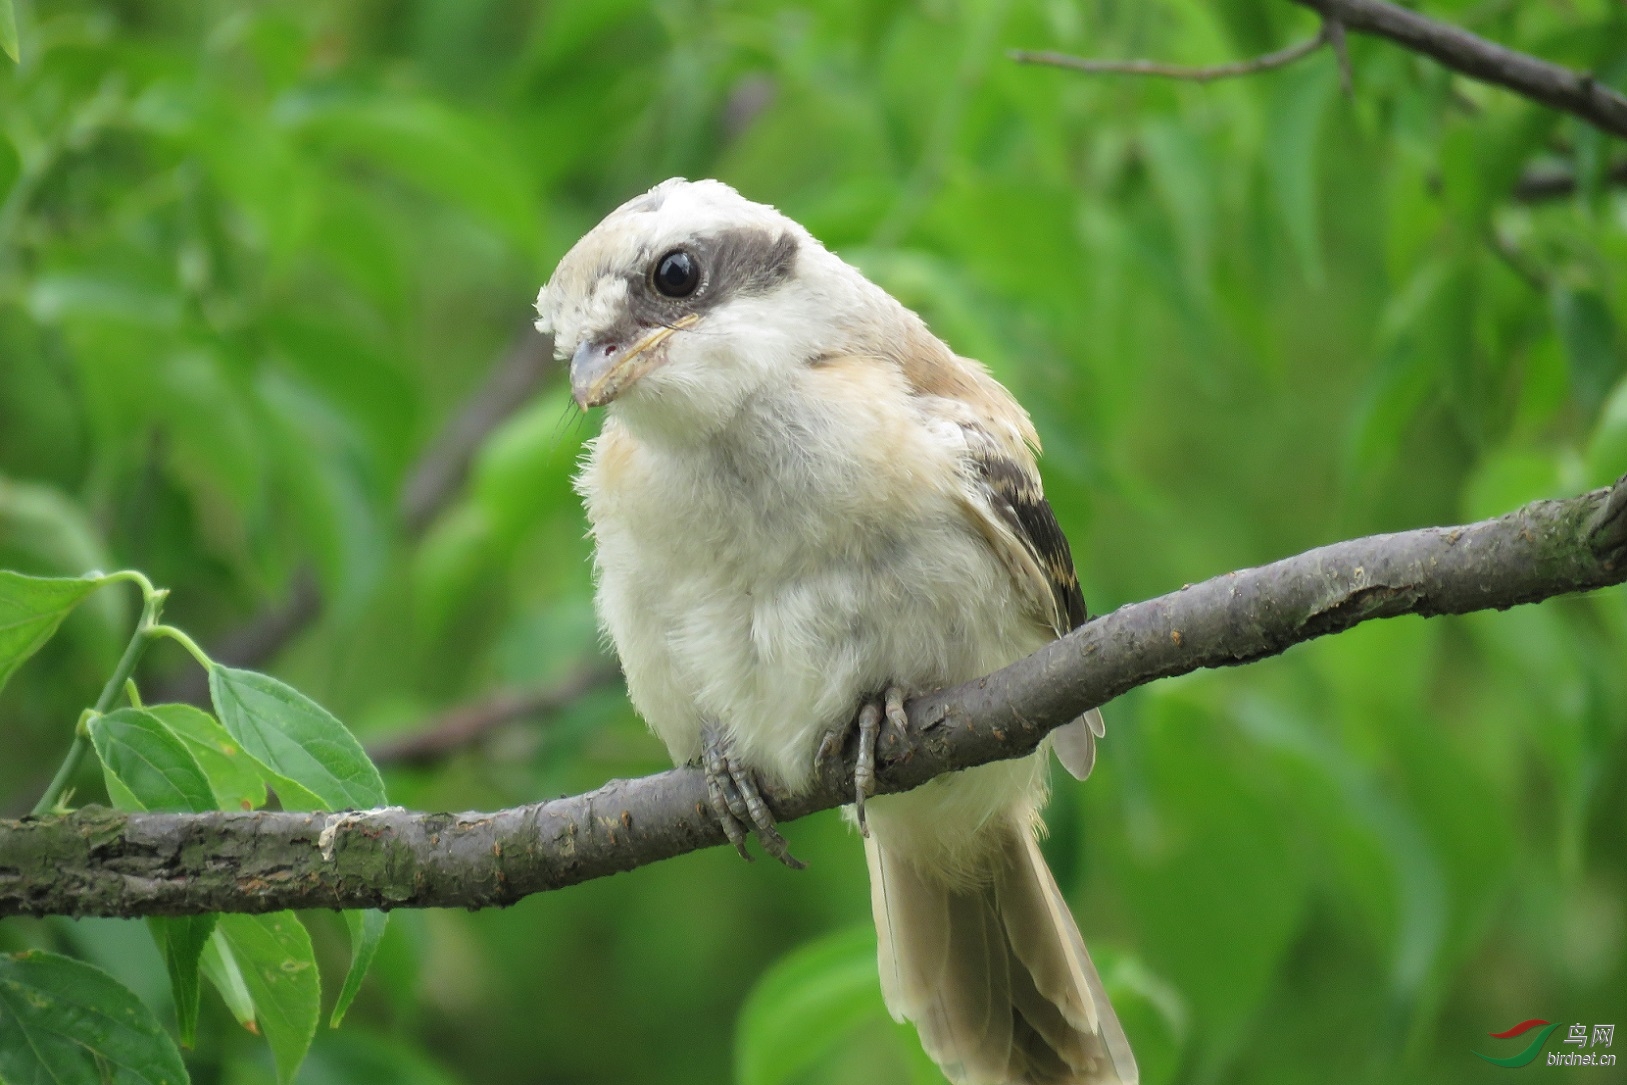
[677,274]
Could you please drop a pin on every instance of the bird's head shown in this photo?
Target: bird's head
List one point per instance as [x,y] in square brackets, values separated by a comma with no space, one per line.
[686,300]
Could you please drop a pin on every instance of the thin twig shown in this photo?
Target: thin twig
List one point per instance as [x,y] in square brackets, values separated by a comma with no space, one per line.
[439,474]
[467,725]
[1540,184]
[1341,52]
[1281,58]
[102,862]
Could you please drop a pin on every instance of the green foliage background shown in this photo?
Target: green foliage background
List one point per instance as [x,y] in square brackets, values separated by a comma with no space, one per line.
[252,256]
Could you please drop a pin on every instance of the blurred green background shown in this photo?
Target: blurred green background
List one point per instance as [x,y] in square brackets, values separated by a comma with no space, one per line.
[254,256]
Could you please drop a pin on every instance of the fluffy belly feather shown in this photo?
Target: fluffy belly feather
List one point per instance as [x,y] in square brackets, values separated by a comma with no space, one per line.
[774,612]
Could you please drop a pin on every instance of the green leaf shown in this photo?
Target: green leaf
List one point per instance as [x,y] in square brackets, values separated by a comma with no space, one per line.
[330,466]
[366,932]
[805,1005]
[181,939]
[448,154]
[298,740]
[362,1058]
[279,971]
[220,966]
[1607,451]
[1508,479]
[1407,372]
[63,1022]
[61,298]
[146,766]
[31,608]
[233,775]
[1299,101]
[1219,900]
[8,31]
[1589,335]
[53,533]
[1184,178]
[48,525]
[1149,1008]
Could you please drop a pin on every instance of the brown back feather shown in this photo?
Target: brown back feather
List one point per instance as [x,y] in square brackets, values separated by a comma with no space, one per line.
[1001,442]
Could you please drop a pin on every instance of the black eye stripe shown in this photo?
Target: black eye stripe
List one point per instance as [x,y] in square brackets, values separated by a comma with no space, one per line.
[730,263]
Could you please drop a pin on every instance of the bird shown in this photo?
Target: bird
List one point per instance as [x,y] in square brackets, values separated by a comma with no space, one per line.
[805,508]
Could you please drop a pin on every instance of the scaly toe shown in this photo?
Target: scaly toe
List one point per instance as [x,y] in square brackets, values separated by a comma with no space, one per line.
[864,770]
[723,793]
[732,828]
[762,819]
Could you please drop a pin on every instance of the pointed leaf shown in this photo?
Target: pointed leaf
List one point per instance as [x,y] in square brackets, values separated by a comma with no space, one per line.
[298,740]
[279,970]
[1299,101]
[31,608]
[220,966]
[181,939]
[52,529]
[233,775]
[806,1005]
[146,766]
[1184,178]
[366,932]
[64,1022]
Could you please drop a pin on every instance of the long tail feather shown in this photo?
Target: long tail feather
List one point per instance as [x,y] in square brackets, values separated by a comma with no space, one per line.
[994,973]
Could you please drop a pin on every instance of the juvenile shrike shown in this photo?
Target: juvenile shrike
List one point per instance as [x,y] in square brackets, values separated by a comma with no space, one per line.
[806,506]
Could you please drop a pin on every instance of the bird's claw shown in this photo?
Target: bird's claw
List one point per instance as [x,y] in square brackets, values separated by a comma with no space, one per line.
[737,801]
[864,769]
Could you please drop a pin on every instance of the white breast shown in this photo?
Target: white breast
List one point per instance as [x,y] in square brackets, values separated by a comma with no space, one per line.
[771,576]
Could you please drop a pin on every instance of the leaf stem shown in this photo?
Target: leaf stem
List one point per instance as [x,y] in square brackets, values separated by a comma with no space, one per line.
[152,603]
[186,642]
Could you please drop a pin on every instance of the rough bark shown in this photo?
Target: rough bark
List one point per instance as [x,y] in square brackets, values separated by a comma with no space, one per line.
[100,862]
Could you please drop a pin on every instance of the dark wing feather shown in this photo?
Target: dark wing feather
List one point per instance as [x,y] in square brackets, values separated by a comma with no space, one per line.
[1013,492]
[1004,500]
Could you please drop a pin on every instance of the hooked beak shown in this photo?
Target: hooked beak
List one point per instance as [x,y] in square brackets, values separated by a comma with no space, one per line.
[600,373]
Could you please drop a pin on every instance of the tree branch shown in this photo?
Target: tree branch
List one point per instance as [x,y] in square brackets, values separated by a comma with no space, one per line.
[101,862]
[1557,87]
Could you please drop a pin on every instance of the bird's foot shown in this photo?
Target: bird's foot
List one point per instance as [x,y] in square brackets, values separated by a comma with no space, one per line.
[737,801]
[891,704]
